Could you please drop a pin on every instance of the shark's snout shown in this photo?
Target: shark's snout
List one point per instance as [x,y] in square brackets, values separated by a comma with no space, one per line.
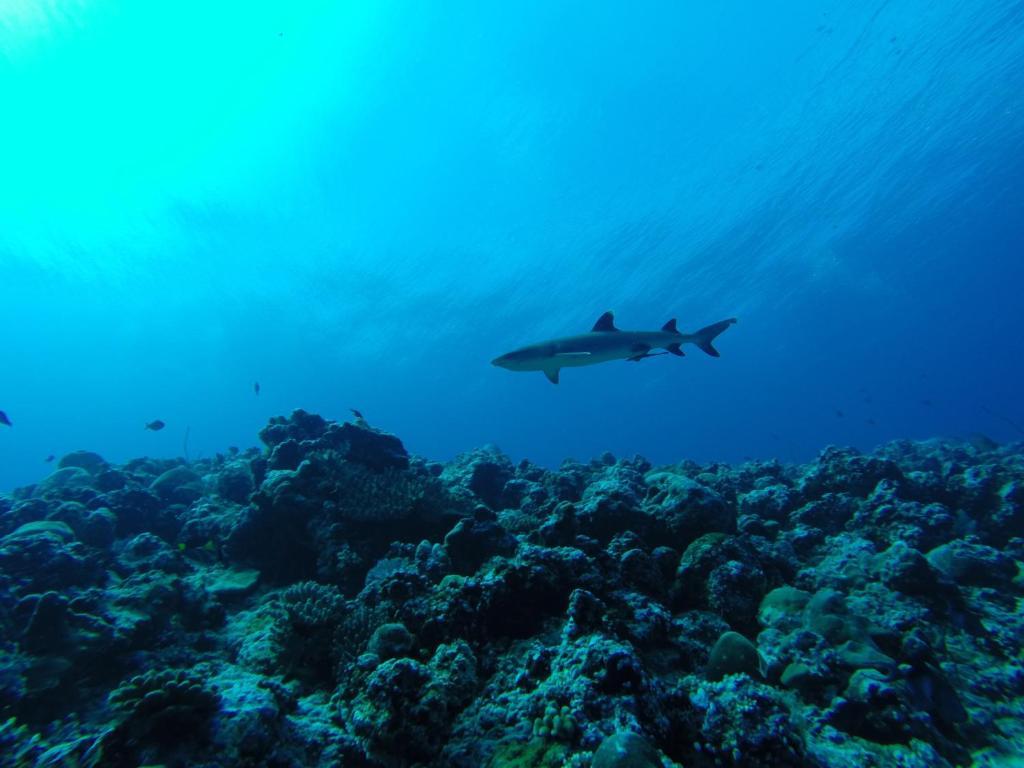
[510,361]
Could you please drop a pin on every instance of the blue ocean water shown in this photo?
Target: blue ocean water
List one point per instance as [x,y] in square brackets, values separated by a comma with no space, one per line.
[359,205]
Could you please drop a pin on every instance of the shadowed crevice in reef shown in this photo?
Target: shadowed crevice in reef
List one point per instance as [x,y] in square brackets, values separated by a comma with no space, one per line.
[332,600]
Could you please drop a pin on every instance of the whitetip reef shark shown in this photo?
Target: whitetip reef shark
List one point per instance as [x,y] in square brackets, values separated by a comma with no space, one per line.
[606,342]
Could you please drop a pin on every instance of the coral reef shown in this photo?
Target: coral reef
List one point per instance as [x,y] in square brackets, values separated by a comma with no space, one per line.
[332,600]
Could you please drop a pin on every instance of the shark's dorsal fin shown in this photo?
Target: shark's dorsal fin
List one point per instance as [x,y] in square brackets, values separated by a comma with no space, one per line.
[670,326]
[605,323]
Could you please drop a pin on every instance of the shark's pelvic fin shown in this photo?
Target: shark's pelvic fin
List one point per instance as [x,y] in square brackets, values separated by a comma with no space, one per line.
[644,355]
[605,322]
[675,349]
[670,326]
[706,335]
[641,351]
[552,374]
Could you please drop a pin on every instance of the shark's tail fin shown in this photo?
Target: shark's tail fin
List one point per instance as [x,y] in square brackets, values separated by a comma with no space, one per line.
[705,336]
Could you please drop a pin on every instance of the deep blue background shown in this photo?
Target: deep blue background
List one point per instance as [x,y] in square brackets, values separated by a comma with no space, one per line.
[361,205]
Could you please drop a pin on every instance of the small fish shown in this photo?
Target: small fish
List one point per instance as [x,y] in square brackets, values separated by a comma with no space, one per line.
[156,426]
[839,414]
[4,420]
[49,459]
[256,388]
[356,413]
[870,422]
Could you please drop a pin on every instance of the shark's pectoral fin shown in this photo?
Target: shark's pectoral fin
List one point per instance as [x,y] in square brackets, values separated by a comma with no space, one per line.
[675,349]
[552,374]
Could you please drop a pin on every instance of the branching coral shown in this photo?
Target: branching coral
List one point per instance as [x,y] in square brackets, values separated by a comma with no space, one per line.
[312,605]
[307,642]
[166,706]
[18,745]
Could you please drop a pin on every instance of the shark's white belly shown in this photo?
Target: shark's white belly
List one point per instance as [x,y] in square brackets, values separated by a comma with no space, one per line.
[577,359]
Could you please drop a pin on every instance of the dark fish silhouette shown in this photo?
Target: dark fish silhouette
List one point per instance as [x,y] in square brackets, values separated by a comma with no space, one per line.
[605,342]
[50,458]
[4,420]
[156,426]
[256,388]
[1003,417]
[356,413]
[839,413]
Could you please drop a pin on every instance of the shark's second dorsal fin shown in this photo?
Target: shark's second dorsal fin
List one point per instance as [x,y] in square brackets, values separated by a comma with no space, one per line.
[670,326]
[605,322]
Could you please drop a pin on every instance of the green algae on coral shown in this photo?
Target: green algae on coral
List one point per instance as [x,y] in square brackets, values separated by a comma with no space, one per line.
[734,654]
[535,753]
[626,749]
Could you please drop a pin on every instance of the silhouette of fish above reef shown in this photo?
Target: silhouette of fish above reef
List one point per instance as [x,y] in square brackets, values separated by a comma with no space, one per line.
[604,343]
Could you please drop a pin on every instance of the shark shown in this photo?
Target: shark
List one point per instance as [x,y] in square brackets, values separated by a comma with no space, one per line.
[604,343]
